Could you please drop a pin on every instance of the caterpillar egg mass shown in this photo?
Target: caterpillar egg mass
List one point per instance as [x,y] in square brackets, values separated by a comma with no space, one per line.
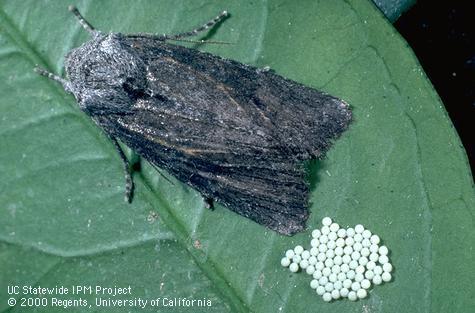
[236,133]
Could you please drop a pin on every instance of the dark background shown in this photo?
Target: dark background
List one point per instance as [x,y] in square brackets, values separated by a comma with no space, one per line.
[441,33]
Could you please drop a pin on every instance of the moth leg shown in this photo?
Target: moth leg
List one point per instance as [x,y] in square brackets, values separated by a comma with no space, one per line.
[66,84]
[209,203]
[85,24]
[129,183]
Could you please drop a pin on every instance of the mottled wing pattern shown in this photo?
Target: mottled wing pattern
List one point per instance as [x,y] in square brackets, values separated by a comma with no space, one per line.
[235,133]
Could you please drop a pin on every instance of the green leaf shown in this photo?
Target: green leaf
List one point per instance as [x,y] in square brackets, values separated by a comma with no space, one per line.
[400,168]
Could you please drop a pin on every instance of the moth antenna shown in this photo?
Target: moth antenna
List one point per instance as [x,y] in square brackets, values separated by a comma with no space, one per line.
[203,41]
[194,32]
[66,84]
[202,28]
[85,24]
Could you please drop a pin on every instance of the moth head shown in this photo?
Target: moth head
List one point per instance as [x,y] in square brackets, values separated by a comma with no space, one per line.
[104,64]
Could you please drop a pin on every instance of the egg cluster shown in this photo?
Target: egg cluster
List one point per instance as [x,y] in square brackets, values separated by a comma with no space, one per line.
[344,263]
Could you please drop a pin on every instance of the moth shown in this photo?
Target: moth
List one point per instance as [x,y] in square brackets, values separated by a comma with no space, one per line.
[236,133]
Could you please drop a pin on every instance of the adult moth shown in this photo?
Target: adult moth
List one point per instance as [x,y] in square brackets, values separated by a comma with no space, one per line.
[235,133]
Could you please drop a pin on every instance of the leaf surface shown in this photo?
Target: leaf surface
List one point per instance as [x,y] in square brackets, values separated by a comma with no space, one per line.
[400,168]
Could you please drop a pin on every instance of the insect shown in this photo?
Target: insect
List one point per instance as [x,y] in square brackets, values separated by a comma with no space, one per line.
[236,133]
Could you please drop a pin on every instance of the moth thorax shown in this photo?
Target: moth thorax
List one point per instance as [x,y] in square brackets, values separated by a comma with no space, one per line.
[105,62]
